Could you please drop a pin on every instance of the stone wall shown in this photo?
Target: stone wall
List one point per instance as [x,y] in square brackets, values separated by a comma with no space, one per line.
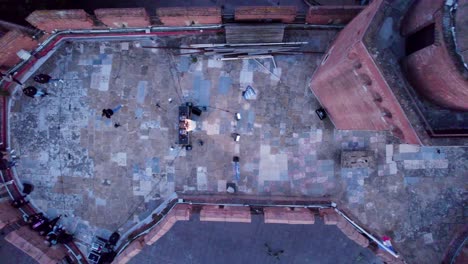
[281,215]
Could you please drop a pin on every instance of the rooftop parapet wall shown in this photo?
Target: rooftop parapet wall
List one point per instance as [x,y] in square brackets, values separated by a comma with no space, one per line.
[123,17]
[180,212]
[330,217]
[132,250]
[295,216]
[186,16]
[226,214]
[285,14]
[12,42]
[326,15]
[49,20]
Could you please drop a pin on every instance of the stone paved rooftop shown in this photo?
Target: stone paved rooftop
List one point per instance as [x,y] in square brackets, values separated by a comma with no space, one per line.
[106,178]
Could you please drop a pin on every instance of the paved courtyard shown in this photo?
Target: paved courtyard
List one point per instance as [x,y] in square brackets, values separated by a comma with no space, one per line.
[105,178]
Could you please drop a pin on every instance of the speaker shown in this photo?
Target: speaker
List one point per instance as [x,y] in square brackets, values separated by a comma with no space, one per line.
[196,111]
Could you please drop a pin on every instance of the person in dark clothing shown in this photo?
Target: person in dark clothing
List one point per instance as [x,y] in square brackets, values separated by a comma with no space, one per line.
[107,113]
[33,92]
[34,219]
[44,78]
[49,226]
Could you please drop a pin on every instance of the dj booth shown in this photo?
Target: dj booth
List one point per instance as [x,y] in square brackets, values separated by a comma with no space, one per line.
[185,113]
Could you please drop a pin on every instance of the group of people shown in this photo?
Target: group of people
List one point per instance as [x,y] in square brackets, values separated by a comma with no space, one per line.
[32,91]
[54,233]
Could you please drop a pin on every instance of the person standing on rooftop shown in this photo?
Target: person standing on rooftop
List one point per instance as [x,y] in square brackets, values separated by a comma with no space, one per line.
[33,92]
[45,78]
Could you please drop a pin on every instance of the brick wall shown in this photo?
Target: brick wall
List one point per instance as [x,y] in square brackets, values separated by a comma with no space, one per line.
[285,14]
[180,212]
[325,15]
[237,214]
[186,16]
[11,43]
[32,243]
[278,215]
[123,17]
[48,20]
[130,251]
